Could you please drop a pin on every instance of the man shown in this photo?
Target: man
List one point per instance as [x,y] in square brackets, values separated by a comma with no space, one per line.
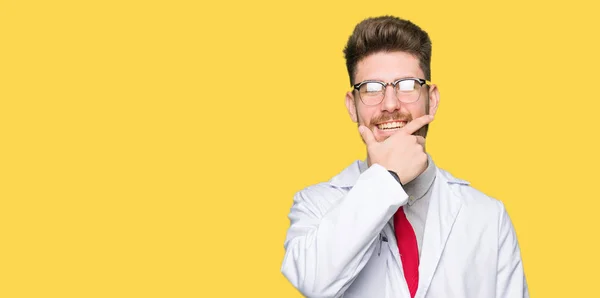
[395,225]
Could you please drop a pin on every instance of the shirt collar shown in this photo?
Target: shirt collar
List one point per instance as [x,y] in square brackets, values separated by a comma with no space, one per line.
[416,188]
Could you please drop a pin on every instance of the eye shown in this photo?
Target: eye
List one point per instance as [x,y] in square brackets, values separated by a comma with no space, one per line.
[406,85]
[372,87]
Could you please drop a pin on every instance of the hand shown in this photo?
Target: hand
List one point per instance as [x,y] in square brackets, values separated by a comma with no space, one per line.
[402,152]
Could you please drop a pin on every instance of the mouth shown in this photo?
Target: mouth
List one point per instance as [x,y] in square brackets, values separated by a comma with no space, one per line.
[391,125]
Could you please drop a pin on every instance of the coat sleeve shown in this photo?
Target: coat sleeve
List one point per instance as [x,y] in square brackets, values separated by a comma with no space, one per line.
[511,281]
[332,234]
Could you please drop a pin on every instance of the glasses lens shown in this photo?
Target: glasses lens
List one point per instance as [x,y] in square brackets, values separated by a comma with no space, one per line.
[407,85]
[371,93]
[408,90]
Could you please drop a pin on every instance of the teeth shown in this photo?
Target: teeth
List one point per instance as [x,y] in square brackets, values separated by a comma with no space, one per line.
[391,125]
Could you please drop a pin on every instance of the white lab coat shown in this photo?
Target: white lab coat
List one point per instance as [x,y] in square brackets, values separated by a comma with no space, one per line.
[334,245]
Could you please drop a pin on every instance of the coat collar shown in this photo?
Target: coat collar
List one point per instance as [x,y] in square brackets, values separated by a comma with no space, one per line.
[443,210]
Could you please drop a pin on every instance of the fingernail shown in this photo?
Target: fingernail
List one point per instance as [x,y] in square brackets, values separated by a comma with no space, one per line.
[361,129]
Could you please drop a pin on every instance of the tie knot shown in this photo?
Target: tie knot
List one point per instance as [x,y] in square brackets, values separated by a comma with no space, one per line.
[400,213]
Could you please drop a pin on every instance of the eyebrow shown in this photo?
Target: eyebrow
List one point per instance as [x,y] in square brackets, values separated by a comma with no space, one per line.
[394,80]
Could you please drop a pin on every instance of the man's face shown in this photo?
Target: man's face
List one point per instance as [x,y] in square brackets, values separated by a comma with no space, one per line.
[389,67]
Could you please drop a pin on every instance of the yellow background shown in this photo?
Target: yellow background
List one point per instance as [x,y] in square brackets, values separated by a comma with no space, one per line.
[142,157]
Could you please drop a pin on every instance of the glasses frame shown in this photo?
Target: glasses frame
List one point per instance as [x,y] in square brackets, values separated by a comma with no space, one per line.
[394,84]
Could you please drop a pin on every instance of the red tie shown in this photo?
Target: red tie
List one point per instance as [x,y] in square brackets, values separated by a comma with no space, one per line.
[409,251]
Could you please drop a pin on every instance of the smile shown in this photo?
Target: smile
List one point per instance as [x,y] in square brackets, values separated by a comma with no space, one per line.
[391,125]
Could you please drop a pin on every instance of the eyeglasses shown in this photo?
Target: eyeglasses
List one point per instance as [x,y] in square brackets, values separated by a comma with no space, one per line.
[408,90]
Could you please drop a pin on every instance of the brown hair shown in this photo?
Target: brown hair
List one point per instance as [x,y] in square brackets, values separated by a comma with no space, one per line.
[387,34]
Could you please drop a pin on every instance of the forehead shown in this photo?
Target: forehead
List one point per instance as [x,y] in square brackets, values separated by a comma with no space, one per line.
[388,66]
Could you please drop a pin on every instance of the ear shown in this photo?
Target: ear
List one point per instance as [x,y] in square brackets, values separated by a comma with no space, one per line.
[434,99]
[351,106]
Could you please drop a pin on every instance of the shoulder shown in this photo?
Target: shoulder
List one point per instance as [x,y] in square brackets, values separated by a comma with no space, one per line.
[339,183]
[319,191]
[322,195]
[471,197]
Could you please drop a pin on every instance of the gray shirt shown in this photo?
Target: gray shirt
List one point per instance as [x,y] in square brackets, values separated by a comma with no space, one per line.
[419,192]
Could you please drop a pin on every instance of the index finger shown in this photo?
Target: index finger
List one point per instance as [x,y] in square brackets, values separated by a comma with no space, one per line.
[367,135]
[416,124]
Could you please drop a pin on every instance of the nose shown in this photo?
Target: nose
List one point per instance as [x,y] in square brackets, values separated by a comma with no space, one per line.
[390,101]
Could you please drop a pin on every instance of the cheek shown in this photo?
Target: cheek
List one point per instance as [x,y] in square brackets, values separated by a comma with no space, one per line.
[365,116]
[417,111]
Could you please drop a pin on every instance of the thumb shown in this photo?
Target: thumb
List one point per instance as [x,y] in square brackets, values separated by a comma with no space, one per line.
[367,135]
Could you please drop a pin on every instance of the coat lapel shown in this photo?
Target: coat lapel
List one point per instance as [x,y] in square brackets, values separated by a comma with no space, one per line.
[443,210]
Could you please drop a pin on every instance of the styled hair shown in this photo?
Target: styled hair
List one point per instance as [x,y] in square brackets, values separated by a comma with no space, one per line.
[387,34]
